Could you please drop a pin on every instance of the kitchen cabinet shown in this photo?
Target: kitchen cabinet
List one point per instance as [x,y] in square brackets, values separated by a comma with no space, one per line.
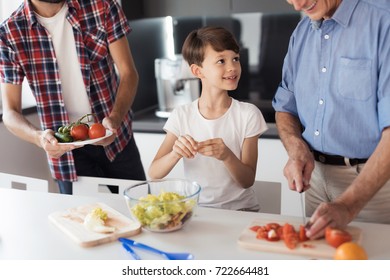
[23,158]
[162,8]
[271,161]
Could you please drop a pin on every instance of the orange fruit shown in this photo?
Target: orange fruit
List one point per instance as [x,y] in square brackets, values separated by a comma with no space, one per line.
[350,251]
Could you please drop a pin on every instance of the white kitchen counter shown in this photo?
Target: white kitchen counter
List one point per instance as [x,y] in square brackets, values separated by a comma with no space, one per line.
[26,232]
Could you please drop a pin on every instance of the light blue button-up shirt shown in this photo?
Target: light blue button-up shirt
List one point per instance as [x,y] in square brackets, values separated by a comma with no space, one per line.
[336,78]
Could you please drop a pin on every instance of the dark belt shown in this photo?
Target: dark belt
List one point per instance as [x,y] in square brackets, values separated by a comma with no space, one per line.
[337,160]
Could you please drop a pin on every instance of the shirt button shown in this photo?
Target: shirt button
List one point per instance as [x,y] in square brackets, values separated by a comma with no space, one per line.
[323,70]
[316,133]
[326,37]
[321,101]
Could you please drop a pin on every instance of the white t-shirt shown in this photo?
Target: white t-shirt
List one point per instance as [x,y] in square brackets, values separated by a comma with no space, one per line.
[242,120]
[73,88]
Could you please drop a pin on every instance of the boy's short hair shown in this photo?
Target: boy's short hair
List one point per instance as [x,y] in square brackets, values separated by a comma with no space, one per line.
[219,38]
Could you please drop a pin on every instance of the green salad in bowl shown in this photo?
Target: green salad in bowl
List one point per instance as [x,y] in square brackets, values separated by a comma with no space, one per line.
[163,205]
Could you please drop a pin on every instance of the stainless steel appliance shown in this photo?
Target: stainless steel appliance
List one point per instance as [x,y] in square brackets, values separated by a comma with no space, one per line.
[176,85]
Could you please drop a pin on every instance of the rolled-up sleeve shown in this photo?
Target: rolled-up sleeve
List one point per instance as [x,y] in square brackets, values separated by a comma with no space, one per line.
[10,71]
[384,112]
[117,24]
[284,101]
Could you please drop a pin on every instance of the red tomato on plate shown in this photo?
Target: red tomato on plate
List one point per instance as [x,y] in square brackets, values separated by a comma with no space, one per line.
[96,130]
[79,132]
[335,237]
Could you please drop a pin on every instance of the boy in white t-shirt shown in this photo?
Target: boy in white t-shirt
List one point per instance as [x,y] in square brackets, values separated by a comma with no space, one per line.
[216,135]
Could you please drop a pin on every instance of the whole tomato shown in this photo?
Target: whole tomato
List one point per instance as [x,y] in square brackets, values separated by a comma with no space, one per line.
[79,132]
[96,130]
[335,237]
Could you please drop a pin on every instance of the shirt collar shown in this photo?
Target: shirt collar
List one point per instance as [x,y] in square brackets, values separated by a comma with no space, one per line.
[30,15]
[28,10]
[342,15]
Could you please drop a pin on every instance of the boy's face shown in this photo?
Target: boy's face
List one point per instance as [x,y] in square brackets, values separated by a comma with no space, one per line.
[220,69]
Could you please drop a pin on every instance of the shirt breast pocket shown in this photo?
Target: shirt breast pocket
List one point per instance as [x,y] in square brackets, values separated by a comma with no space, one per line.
[96,45]
[354,78]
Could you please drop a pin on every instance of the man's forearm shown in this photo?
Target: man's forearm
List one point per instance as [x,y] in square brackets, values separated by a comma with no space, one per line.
[290,132]
[18,125]
[124,98]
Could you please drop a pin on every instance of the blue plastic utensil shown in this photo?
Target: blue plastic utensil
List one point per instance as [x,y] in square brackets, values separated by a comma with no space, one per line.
[131,251]
[169,256]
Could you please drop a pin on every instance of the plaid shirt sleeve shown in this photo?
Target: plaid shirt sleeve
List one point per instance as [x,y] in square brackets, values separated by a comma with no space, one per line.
[117,24]
[10,71]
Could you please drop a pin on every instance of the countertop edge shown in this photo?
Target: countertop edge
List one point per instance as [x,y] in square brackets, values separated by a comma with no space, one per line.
[148,122]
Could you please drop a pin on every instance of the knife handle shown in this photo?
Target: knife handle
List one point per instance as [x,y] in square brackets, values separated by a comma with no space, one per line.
[131,251]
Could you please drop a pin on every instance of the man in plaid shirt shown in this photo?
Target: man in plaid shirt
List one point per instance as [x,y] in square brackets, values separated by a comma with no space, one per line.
[76,59]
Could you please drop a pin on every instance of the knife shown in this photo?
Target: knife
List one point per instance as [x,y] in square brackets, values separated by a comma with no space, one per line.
[303,208]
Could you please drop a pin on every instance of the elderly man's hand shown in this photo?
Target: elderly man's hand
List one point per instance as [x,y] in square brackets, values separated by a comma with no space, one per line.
[334,214]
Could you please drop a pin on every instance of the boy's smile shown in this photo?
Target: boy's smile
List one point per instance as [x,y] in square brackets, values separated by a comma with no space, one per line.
[221,69]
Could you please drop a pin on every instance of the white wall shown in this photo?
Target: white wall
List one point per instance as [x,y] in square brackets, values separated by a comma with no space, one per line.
[7,7]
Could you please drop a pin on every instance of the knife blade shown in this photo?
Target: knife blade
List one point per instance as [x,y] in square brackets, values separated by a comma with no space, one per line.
[303,208]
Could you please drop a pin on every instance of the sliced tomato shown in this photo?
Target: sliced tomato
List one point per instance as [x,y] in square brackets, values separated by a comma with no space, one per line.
[302,234]
[280,232]
[290,236]
[275,232]
[262,233]
[335,237]
[291,240]
[270,226]
[254,228]
[288,228]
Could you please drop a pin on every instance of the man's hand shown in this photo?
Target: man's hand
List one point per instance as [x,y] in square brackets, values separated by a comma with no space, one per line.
[298,171]
[50,144]
[334,214]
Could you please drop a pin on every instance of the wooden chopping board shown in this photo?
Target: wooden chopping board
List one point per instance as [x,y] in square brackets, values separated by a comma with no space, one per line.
[314,249]
[71,222]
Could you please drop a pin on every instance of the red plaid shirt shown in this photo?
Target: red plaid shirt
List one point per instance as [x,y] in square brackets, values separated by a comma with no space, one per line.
[26,50]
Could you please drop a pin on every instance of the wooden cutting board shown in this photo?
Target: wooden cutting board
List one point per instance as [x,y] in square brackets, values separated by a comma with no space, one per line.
[314,249]
[71,222]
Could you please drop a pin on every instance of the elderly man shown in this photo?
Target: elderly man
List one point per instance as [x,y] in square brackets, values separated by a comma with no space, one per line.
[333,111]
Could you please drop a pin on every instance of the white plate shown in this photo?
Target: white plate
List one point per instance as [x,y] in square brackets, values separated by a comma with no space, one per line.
[88,141]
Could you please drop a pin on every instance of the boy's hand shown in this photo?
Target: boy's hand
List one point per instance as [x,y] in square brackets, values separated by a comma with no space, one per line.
[185,146]
[214,148]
